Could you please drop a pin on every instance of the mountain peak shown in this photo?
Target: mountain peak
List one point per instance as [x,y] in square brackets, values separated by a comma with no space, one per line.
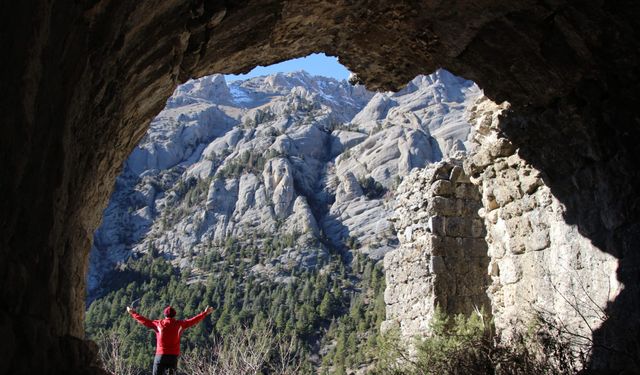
[289,154]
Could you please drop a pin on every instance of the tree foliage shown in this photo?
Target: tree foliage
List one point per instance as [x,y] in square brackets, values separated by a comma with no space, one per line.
[333,305]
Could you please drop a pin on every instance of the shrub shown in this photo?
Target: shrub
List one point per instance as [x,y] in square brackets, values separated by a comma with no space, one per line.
[246,351]
[467,345]
[111,354]
[371,188]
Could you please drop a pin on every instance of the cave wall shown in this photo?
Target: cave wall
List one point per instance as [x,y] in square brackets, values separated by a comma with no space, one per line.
[81,81]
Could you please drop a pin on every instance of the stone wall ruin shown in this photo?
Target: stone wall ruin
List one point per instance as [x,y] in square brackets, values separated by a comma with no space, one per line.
[442,258]
[517,251]
[539,264]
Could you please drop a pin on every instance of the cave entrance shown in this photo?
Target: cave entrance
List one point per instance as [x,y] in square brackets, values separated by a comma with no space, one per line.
[269,196]
[84,79]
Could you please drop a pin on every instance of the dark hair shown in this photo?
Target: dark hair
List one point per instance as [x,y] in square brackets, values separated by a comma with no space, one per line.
[169,312]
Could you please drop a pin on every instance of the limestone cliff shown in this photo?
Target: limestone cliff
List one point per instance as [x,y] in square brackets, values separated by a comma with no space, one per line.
[280,155]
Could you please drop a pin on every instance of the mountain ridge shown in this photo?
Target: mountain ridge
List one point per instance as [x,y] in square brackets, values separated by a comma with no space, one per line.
[282,154]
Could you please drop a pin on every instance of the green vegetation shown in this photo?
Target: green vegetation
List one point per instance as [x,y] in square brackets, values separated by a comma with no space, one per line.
[259,117]
[333,310]
[352,338]
[467,345]
[371,188]
[248,162]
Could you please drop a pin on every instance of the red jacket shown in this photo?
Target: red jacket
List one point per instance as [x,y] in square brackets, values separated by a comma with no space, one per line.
[168,331]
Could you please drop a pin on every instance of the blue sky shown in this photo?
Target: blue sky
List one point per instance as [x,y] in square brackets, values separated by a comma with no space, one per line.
[316,64]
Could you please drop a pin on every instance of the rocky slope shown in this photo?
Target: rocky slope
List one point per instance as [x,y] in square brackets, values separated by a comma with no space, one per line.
[287,154]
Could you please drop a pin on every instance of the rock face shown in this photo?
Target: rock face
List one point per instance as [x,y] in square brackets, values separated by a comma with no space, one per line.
[82,80]
[442,258]
[281,155]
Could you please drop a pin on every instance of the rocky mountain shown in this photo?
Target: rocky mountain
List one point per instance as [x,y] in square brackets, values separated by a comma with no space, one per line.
[287,155]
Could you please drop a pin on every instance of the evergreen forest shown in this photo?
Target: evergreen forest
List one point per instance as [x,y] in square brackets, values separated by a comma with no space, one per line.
[331,313]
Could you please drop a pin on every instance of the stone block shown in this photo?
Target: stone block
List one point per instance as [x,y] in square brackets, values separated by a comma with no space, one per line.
[436,225]
[411,253]
[445,285]
[511,210]
[441,206]
[488,174]
[490,203]
[457,175]
[509,299]
[442,188]
[514,160]
[519,230]
[454,267]
[538,240]
[433,241]
[500,165]
[477,228]
[517,246]
[510,271]
[544,197]
[528,203]
[479,264]
[477,162]
[408,234]
[437,265]
[507,193]
[529,184]
[458,227]
[454,247]
[391,296]
[418,271]
[501,148]
[474,247]
[492,217]
[468,207]
[439,247]
[442,171]
[493,269]
[496,250]
[467,191]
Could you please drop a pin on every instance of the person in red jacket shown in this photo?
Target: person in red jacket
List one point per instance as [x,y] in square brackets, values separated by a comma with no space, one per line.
[168,332]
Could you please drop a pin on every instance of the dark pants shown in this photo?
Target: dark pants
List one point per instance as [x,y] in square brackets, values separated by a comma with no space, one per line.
[164,364]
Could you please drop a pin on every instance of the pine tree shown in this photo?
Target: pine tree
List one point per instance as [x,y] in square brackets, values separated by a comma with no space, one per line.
[325,309]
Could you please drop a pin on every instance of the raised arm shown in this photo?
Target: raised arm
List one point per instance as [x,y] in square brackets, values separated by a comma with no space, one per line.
[196,319]
[141,319]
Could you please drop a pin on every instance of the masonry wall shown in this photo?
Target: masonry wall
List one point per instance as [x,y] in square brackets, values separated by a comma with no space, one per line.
[540,265]
[442,258]
[496,239]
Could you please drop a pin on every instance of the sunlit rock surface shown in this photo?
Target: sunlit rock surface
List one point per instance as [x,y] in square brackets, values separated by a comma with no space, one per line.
[283,154]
